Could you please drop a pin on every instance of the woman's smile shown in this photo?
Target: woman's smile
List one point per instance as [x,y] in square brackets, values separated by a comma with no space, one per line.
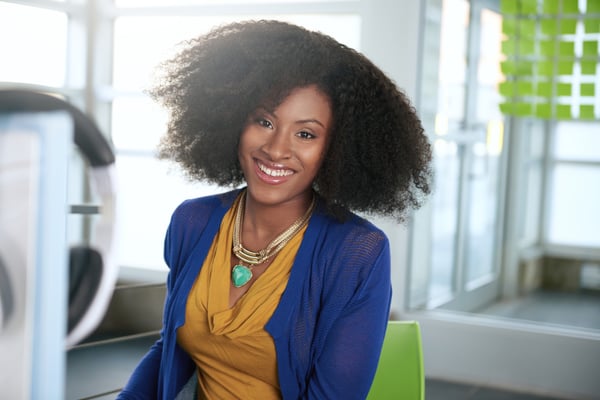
[281,150]
[274,173]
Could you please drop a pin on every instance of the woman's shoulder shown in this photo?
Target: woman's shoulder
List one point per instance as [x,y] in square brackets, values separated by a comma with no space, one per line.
[355,238]
[204,204]
[192,215]
[346,253]
[353,226]
[191,220]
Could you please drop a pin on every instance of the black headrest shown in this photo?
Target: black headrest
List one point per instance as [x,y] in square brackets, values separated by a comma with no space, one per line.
[87,136]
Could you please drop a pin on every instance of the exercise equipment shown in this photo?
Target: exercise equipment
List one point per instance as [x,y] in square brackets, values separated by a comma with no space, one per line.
[92,269]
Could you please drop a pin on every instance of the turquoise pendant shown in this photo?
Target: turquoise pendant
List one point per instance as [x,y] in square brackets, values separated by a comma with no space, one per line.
[240,275]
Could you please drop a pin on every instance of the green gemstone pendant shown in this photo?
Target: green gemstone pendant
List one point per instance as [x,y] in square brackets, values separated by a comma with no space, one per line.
[240,275]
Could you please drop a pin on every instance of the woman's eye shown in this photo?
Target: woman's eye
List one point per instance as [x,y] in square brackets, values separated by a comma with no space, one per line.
[305,135]
[264,123]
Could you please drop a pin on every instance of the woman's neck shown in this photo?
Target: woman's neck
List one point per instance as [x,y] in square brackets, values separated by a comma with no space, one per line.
[264,222]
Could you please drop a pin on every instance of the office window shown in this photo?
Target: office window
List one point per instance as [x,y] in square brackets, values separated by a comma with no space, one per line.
[447,152]
[150,3]
[33,44]
[533,171]
[577,141]
[466,205]
[575,185]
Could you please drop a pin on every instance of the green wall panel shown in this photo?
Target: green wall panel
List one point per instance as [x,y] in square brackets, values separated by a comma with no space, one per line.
[590,48]
[544,89]
[527,28]
[563,89]
[552,58]
[593,6]
[568,26]
[551,6]
[592,25]
[528,6]
[588,67]
[587,90]
[543,111]
[586,112]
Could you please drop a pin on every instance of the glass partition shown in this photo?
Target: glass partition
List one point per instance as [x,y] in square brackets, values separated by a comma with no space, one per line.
[514,215]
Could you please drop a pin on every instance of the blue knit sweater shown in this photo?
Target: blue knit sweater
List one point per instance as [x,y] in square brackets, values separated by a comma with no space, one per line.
[328,328]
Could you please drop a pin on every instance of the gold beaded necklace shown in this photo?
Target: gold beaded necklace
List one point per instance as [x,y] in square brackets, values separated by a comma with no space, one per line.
[241,274]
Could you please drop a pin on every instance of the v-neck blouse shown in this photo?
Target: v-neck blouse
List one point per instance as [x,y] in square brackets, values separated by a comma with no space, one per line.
[234,354]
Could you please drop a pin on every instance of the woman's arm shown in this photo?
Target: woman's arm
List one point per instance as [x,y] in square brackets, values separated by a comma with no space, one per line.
[347,364]
[143,383]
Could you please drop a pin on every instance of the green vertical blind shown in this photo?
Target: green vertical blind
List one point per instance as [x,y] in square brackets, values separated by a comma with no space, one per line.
[551,59]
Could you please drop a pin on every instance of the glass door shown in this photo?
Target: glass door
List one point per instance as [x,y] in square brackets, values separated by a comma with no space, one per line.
[465,209]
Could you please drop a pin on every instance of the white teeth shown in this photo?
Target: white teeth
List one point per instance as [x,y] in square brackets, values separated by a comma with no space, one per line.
[275,172]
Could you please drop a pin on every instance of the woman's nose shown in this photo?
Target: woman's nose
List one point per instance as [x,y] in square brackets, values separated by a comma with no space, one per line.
[278,146]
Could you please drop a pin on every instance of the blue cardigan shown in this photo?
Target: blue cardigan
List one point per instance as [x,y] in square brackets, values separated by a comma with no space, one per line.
[328,328]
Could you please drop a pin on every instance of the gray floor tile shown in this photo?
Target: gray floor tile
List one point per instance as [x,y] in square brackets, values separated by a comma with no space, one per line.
[492,394]
[438,390]
[443,390]
[573,309]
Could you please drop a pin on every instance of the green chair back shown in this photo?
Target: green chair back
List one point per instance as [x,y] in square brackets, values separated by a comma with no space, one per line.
[400,374]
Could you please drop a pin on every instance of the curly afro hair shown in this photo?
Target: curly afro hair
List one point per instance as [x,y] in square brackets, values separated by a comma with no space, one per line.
[378,160]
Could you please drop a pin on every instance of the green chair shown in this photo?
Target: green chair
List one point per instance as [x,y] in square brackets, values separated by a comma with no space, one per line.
[399,374]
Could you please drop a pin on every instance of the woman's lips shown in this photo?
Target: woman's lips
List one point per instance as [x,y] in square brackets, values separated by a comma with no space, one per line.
[272,174]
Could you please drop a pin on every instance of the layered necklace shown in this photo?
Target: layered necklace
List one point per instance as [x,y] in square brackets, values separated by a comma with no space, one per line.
[241,274]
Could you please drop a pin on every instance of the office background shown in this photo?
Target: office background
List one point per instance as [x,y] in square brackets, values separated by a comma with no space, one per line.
[502,265]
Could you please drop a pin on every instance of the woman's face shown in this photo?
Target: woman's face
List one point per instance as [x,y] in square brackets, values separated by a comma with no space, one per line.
[281,150]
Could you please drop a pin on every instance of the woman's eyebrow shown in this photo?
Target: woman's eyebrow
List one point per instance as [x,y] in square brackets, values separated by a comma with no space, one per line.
[272,113]
[265,110]
[310,120]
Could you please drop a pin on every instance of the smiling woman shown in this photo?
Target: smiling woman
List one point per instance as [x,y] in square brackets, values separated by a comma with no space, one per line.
[280,273]
[281,151]
[137,123]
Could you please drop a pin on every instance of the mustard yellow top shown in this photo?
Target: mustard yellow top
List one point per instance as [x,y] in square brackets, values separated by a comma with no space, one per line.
[234,354]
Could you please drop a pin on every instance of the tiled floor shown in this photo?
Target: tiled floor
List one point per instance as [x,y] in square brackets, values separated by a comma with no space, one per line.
[580,309]
[436,390]
[84,382]
[99,371]
[441,390]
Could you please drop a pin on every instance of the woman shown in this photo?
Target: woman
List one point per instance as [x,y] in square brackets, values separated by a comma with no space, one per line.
[278,290]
